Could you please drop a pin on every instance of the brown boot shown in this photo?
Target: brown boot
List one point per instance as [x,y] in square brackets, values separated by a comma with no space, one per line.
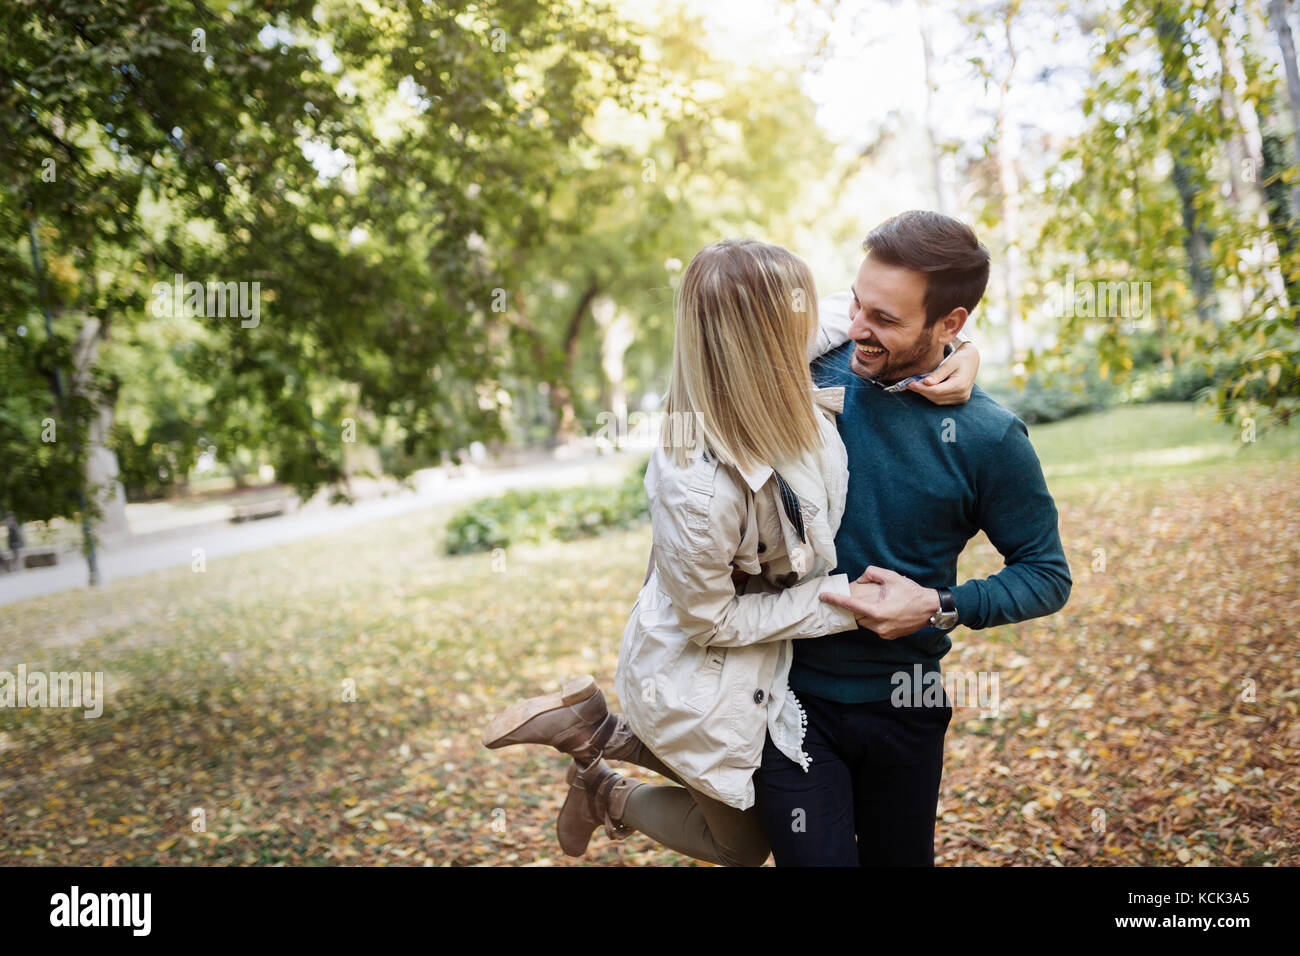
[574,720]
[597,795]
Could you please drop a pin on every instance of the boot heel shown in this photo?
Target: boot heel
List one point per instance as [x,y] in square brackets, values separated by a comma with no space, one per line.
[573,692]
[578,688]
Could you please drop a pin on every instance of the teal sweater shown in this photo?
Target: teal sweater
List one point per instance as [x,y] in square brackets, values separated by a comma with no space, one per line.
[923,480]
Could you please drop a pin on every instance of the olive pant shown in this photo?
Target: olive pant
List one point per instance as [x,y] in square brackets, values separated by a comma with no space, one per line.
[688,821]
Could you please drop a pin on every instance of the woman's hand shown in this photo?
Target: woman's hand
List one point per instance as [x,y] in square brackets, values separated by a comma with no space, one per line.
[888,603]
[953,381]
[863,592]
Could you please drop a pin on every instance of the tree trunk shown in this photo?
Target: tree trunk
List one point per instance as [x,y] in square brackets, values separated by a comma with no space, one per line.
[1277,16]
[540,413]
[1280,215]
[1008,148]
[616,336]
[1196,237]
[566,426]
[1238,155]
[102,484]
[942,194]
[1250,165]
[102,475]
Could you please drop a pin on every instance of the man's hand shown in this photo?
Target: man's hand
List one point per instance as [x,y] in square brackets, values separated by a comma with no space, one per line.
[901,607]
[863,592]
[953,381]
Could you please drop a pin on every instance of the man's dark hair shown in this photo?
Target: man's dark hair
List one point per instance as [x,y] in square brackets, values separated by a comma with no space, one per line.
[955,263]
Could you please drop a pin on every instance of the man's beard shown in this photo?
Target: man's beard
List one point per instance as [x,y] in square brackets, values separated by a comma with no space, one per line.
[900,365]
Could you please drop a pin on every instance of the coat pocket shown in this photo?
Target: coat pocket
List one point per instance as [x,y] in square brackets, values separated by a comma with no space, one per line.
[702,691]
[697,501]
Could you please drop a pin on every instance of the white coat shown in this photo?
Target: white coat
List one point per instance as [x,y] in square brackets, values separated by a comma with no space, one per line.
[702,670]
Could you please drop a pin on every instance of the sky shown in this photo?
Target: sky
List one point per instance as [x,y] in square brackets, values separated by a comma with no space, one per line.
[870,81]
[874,65]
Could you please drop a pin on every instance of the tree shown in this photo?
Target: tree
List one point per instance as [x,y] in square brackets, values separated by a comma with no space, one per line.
[1286,43]
[1144,184]
[107,109]
[333,166]
[697,150]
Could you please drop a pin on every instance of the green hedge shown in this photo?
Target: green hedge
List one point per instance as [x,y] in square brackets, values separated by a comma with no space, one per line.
[1051,395]
[1069,385]
[519,517]
[1185,382]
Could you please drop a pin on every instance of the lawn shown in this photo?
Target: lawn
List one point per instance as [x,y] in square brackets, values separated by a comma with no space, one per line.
[1147,442]
[1153,721]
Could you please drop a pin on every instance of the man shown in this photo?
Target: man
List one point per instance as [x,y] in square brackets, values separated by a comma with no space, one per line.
[923,480]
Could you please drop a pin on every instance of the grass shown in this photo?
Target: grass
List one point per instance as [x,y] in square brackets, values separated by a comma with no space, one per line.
[1149,442]
[228,691]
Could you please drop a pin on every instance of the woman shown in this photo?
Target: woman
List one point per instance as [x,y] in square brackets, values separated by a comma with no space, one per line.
[746,491]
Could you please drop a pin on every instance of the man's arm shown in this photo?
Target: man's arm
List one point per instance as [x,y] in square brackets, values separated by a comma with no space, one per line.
[1018,514]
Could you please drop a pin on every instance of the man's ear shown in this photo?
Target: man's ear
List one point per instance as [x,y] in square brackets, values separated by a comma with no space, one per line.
[946,328]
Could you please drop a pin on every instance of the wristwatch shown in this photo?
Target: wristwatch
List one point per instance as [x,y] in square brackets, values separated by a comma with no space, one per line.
[945,619]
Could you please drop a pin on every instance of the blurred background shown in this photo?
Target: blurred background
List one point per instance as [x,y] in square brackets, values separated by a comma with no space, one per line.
[331,334]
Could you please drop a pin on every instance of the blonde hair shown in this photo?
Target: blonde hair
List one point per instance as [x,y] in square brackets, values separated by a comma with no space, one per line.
[740,386]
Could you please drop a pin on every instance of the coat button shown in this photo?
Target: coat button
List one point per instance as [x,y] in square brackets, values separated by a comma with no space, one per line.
[758,697]
[761,547]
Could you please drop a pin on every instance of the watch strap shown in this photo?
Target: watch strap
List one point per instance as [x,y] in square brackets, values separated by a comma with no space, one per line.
[947,611]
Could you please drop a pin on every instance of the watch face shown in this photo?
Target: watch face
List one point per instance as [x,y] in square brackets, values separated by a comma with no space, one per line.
[945,620]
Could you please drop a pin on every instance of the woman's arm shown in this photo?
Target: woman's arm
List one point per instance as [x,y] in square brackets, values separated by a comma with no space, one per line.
[711,613]
[694,561]
[832,324]
[953,381]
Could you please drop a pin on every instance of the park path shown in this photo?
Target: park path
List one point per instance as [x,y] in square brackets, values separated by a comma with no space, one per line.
[174,547]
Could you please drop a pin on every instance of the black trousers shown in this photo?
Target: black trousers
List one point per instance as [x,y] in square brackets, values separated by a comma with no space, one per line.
[871,791]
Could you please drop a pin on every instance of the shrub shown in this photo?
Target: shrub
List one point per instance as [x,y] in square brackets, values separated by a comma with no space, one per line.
[1071,383]
[1050,397]
[519,517]
[1185,382]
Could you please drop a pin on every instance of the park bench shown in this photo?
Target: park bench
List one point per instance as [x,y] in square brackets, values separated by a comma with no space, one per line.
[38,557]
[255,512]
